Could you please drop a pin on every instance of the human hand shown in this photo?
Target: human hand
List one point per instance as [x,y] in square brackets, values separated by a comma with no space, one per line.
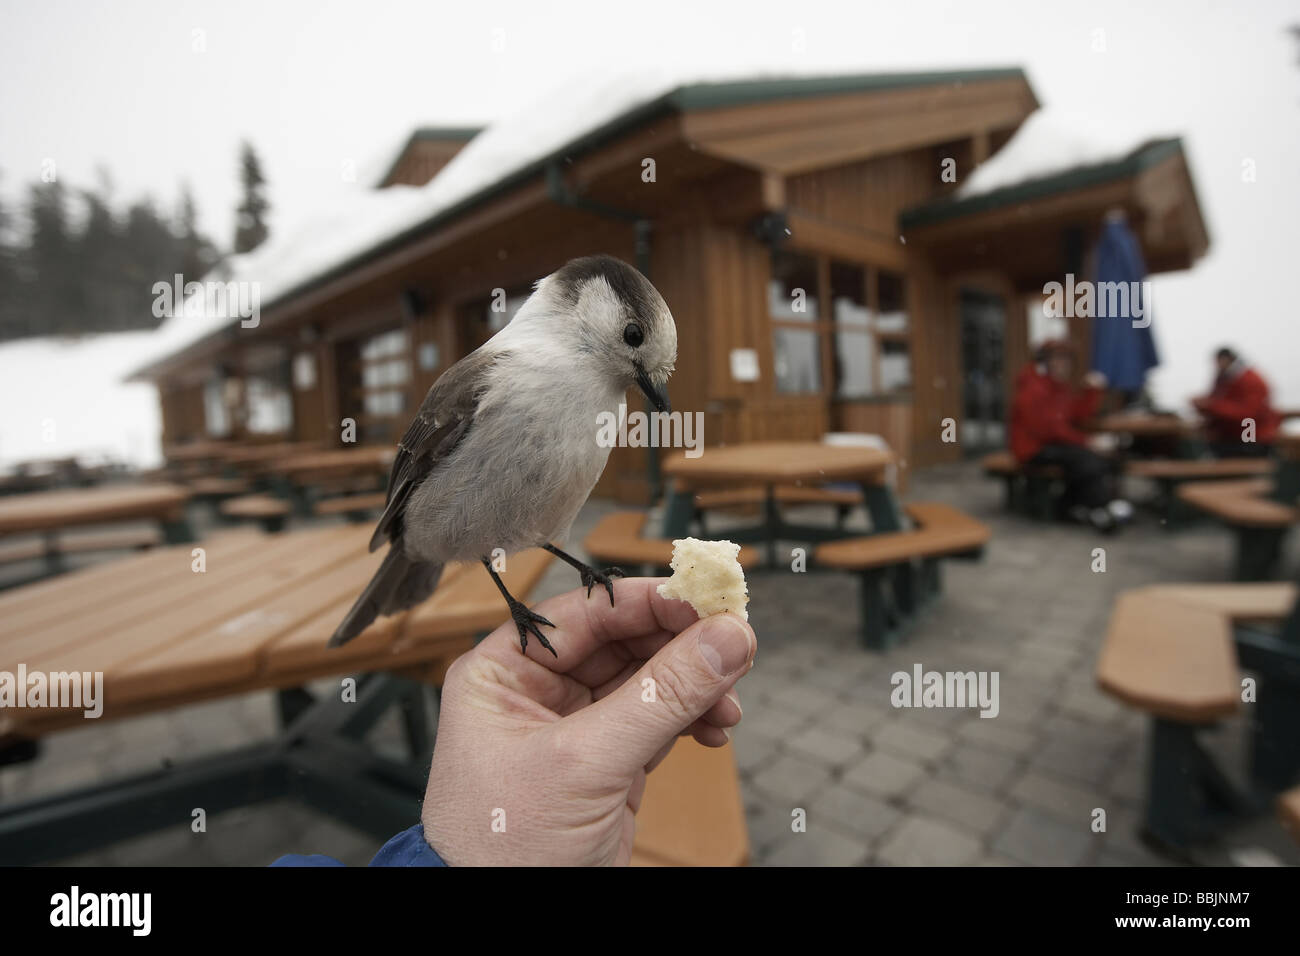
[1094,379]
[542,760]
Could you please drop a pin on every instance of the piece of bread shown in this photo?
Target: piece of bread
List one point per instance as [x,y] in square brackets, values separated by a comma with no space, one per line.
[708,575]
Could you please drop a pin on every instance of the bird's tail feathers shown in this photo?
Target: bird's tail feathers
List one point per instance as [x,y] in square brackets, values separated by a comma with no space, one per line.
[400,583]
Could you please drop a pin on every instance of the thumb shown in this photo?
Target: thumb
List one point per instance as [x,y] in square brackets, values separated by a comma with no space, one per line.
[670,691]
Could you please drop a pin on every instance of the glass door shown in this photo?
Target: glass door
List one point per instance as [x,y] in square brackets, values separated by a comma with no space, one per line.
[983,329]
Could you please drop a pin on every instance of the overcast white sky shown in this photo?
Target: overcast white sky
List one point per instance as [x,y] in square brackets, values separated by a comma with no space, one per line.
[318,86]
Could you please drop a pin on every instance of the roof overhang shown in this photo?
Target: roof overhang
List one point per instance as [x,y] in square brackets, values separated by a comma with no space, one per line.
[1019,227]
[699,128]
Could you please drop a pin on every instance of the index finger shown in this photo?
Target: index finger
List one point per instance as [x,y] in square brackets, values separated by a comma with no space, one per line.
[584,625]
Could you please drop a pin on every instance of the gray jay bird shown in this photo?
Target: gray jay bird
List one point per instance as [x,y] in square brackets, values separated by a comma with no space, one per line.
[504,449]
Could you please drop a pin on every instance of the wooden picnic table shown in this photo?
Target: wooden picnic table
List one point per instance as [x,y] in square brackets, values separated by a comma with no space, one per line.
[339,463]
[205,450]
[780,463]
[254,457]
[1147,425]
[258,617]
[48,511]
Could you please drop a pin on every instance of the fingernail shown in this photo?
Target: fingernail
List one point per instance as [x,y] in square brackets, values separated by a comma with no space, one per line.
[731,696]
[724,642]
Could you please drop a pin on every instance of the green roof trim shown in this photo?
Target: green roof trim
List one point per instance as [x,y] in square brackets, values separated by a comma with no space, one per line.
[454,133]
[1078,177]
[705,96]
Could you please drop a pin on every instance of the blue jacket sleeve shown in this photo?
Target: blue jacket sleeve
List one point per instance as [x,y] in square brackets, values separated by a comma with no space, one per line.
[408,848]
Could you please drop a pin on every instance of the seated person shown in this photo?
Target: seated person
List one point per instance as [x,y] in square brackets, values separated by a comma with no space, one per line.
[1238,398]
[1046,416]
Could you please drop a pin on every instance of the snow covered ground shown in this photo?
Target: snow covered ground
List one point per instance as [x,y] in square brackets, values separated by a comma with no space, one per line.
[65,397]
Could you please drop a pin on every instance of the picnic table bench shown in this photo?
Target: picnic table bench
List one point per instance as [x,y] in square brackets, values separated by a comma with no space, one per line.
[1176,652]
[268,511]
[616,539]
[1258,520]
[1026,488]
[907,560]
[49,514]
[1169,474]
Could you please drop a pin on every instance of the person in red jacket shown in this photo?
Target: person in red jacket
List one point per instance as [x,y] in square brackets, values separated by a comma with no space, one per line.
[1238,399]
[1047,416]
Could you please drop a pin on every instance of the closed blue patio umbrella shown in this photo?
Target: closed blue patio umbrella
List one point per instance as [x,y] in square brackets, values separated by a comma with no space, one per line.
[1120,351]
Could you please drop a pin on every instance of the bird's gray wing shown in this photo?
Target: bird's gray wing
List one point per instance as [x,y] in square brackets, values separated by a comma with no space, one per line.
[444,418]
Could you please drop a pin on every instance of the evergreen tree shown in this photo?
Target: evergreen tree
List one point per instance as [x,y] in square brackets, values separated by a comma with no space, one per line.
[250,218]
[197,254]
[96,297]
[10,295]
[48,258]
[93,271]
[153,254]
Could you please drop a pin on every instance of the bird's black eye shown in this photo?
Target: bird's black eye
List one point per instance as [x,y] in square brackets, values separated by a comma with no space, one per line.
[633,335]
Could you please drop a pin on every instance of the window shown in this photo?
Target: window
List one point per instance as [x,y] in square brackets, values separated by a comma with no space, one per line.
[792,299]
[385,372]
[270,406]
[214,408]
[893,330]
[856,345]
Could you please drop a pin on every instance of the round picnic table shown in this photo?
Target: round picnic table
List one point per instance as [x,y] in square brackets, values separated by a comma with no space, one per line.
[774,464]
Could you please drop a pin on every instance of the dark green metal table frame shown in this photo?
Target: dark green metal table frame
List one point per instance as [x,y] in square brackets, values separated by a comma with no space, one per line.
[319,757]
[1189,798]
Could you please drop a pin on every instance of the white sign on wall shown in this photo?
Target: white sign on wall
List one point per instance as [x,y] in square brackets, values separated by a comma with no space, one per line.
[744,365]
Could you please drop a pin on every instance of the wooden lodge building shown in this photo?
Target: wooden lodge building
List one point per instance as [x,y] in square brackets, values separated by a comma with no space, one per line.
[916,298]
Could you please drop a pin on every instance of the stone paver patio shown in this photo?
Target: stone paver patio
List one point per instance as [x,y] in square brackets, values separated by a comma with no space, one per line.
[820,739]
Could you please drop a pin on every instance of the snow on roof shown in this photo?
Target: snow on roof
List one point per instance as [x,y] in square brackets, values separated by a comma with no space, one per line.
[548,124]
[361,219]
[66,398]
[1051,142]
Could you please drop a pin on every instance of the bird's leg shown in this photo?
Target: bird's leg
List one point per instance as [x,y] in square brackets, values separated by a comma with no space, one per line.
[524,619]
[590,576]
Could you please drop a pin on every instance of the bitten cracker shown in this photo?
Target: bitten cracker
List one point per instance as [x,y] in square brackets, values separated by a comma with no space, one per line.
[707,575]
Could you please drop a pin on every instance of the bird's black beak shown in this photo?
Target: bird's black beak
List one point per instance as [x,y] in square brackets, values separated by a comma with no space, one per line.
[658,396]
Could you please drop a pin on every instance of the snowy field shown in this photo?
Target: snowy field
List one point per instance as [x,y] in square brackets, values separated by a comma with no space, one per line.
[65,397]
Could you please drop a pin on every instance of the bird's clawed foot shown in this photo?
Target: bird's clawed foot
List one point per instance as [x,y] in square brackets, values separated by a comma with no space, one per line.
[591,577]
[527,622]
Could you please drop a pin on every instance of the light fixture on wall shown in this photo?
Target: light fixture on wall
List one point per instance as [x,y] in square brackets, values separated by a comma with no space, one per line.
[413,304]
[771,228]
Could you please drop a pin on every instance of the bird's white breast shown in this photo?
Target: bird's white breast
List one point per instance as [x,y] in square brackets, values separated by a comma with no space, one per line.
[522,472]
